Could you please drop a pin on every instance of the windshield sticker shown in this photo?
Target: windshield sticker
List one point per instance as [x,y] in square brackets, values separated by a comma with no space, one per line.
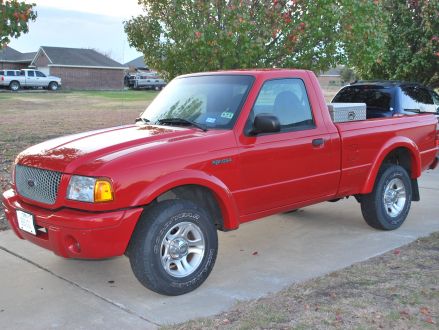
[210,120]
[228,115]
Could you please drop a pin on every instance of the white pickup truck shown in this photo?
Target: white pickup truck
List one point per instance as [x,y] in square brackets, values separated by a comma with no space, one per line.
[143,80]
[29,78]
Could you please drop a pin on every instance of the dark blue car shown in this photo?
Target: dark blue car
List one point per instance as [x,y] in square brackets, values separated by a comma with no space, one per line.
[390,98]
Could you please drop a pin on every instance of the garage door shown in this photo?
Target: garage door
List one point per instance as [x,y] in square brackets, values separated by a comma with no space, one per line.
[45,70]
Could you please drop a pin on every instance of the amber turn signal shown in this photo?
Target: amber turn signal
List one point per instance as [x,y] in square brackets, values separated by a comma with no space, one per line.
[103,191]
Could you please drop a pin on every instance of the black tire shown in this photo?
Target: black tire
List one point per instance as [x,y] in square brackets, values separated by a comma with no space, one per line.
[146,250]
[375,211]
[53,86]
[14,86]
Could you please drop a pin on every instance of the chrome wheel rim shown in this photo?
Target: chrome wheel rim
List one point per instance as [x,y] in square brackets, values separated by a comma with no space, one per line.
[182,249]
[394,197]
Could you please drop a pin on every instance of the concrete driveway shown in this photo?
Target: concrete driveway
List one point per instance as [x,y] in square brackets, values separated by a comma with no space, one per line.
[40,290]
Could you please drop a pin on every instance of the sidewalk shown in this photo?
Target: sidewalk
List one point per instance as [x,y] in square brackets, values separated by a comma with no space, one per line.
[39,290]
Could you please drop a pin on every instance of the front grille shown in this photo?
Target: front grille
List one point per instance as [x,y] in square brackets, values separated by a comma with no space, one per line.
[37,184]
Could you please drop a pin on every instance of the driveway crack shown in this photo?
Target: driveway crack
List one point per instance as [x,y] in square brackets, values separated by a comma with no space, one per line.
[109,301]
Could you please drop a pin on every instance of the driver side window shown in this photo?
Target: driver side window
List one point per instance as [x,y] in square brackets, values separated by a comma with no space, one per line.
[288,101]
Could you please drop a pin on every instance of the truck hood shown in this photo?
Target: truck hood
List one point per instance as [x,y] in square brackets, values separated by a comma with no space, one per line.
[65,154]
[54,77]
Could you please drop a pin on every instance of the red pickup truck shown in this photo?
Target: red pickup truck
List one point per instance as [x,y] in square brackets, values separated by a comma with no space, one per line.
[212,151]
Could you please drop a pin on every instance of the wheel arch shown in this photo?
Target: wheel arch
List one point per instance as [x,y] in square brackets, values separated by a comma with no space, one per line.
[401,151]
[14,81]
[199,187]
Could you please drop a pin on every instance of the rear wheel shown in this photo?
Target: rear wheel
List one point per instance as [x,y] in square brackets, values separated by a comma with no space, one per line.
[173,248]
[53,86]
[387,206]
[14,86]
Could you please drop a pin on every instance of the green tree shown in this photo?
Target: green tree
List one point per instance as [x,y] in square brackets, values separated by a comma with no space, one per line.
[180,36]
[411,48]
[348,75]
[15,16]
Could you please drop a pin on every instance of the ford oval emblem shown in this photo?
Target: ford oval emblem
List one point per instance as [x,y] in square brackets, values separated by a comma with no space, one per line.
[31,183]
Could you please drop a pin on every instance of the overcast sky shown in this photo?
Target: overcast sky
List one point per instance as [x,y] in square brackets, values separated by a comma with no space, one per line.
[94,24]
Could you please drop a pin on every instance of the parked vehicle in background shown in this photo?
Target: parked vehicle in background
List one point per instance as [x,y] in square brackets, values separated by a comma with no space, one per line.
[146,80]
[10,73]
[7,73]
[390,98]
[212,151]
[28,78]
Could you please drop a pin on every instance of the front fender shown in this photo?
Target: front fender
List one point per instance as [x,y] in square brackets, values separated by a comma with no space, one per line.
[386,149]
[223,195]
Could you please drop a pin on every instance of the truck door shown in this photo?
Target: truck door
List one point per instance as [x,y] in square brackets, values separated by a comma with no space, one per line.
[41,79]
[31,80]
[291,166]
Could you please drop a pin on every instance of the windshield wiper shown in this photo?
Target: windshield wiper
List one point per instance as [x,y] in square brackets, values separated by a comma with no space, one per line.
[182,121]
[413,110]
[144,120]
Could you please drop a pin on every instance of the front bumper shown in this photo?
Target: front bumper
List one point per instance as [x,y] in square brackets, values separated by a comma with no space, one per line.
[72,233]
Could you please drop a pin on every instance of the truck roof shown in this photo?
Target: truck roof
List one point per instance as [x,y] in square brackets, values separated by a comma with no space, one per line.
[252,72]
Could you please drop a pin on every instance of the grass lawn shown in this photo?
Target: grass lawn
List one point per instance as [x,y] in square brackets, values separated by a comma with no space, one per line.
[125,95]
[122,95]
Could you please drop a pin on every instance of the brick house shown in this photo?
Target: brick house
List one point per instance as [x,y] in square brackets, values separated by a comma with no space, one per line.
[14,60]
[331,77]
[80,68]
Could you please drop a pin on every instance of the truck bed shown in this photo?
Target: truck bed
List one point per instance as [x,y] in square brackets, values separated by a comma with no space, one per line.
[363,142]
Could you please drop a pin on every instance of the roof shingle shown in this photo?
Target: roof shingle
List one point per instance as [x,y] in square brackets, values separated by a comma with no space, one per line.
[138,62]
[79,57]
[9,54]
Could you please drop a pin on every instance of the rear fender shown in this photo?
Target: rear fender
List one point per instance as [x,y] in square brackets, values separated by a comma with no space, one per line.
[387,148]
[222,194]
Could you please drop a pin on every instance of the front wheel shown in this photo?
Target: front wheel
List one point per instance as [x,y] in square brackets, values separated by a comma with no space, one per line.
[388,205]
[53,86]
[173,248]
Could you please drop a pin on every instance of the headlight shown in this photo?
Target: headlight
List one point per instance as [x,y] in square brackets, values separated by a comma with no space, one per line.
[92,190]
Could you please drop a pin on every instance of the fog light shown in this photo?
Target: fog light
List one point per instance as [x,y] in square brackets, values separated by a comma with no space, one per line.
[73,245]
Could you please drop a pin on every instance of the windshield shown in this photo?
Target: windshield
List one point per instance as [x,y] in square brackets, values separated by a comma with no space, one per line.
[375,98]
[209,101]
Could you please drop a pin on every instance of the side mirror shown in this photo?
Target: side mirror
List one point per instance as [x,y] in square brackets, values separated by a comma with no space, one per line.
[265,123]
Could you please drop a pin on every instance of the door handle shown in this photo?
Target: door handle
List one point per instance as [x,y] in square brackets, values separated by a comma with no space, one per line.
[318,142]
